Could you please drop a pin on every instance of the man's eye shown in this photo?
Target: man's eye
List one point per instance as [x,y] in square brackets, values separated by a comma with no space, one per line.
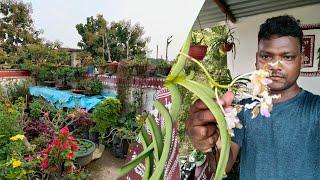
[266,57]
[288,58]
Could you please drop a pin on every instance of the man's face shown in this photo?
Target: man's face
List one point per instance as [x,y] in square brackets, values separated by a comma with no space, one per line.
[285,56]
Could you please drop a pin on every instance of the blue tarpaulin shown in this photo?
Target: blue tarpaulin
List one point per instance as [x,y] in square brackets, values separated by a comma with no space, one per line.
[64,98]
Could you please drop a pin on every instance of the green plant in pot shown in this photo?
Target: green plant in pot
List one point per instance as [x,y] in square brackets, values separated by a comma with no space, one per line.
[163,67]
[47,76]
[140,64]
[226,42]
[105,116]
[198,49]
[124,133]
[91,86]
[83,154]
[65,75]
[101,65]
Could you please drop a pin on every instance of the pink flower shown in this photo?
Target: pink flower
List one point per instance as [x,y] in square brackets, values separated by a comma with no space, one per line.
[64,130]
[46,114]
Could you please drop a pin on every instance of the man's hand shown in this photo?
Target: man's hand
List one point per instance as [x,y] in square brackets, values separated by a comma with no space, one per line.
[201,125]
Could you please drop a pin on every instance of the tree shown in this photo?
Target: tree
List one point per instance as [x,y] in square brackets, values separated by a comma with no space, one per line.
[127,40]
[117,41]
[92,34]
[16,26]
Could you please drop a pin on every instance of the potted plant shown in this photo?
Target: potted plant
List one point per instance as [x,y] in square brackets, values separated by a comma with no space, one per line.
[163,67]
[101,65]
[140,65]
[91,86]
[125,132]
[65,75]
[105,116]
[197,157]
[197,48]
[47,76]
[226,42]
[83,154]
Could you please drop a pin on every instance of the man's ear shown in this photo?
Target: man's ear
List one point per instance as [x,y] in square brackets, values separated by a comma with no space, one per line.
[302,60]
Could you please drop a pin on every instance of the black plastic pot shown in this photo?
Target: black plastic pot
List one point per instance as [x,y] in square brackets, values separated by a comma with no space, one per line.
[120,147]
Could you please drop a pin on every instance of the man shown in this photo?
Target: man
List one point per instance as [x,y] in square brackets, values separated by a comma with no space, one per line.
[287,144]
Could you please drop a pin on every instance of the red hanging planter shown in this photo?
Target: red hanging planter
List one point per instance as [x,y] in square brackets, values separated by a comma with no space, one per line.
[226,47]
[198,52]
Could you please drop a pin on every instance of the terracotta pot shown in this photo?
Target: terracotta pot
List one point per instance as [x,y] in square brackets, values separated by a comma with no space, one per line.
[198,51]
[226,47]
[112,67]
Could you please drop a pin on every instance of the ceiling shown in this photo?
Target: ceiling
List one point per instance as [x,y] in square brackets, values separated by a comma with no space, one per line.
[215,11]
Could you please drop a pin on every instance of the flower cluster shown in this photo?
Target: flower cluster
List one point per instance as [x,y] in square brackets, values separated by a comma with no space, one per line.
[260,93]
[60,152]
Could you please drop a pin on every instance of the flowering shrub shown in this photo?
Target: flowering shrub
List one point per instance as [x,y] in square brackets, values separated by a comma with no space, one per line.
[59,155]
[17,165]
[80,118]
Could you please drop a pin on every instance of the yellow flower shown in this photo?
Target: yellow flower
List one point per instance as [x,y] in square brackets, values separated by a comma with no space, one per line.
[16,163]
[17,137]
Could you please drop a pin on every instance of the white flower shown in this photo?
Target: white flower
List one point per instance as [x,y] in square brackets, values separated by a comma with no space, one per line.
[232,120]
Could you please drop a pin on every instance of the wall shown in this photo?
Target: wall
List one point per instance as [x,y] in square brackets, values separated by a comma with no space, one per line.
[246,30]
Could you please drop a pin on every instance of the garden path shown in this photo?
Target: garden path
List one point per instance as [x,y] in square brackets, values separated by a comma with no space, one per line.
[107,167]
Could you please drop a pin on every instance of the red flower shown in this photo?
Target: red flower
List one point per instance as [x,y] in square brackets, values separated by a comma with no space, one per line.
[44,152]
[70,138]
[45,164]
[50,148]
[64,130]
[56,141]
[66,145]
[74,147]
[59,147]
[70,155]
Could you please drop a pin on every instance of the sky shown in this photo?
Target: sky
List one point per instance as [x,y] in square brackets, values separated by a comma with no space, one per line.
[160,19]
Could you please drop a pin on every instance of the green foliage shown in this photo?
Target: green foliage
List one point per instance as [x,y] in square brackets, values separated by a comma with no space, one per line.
[39,106]
[15,166]
[92,86]
[106,115]
[46,74]
[101,40]
[9,124]
[65,74]
[17,89]
[16,26]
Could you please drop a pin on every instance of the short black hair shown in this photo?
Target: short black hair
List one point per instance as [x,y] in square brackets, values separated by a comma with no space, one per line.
[281,26]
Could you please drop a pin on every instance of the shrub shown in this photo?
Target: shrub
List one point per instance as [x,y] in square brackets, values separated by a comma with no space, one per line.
[106,115]
[38,107]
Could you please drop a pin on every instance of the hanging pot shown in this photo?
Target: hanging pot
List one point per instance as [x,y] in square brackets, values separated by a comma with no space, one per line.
[198,52]
[226,47]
